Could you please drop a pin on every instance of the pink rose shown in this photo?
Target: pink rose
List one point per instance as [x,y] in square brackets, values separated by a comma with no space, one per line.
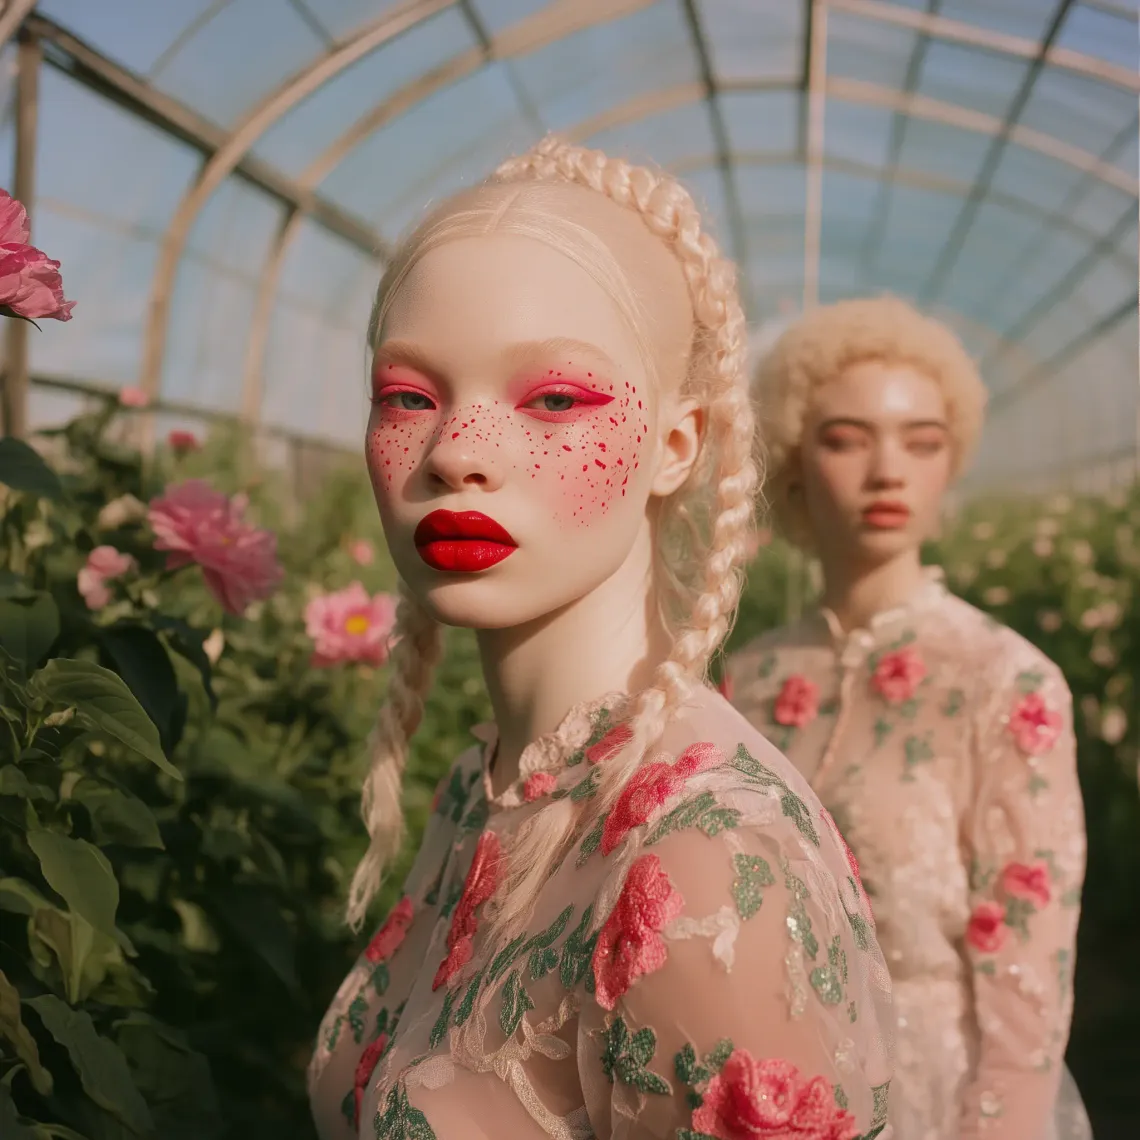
[986,930]
[350,625]
[131,397]
[752,1098]
[798,702]
[361,552]
[538,785]
[1034,725]
[103,564]
[195,523]
[898,674]
[180,441]
[30,284]
[386,941]
[1029,881]
[630,943]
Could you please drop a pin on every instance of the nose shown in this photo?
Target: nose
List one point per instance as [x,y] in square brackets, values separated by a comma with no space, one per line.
[886,465]
[460,458]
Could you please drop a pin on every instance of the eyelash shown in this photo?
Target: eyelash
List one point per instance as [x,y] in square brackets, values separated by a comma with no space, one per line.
[584,399]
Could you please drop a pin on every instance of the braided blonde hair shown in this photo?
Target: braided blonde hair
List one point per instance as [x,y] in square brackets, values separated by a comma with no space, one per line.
[703,528]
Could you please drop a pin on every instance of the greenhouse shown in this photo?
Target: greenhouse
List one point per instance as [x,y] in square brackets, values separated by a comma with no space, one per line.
[223,183]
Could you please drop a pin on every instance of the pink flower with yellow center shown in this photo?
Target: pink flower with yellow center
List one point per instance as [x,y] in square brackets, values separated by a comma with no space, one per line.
[350,625]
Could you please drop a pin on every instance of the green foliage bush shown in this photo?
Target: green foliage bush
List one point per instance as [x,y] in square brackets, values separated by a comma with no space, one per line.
[179,788]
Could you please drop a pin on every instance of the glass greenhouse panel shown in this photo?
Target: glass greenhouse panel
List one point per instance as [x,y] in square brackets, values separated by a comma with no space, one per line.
[1036,177]
[969,77]
[1098,208]
[1028,19]
[1124,154]
[754,39]
[1101,33]
[1054,258]
[320,273]
[762,122]
[848,199]
[777,189]
[857,132]
[942,151]
[681,135]
[918,223]
[868,50]
[495,15]
[1078,109]
[340,19]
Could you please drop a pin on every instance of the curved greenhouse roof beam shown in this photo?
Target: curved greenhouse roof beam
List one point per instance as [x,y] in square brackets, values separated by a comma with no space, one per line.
[234,149]
[12,17]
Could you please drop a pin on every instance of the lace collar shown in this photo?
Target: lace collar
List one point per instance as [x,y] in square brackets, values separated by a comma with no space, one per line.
[557,755]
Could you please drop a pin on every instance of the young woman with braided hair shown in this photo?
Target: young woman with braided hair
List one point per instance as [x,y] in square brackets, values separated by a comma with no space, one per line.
[629,916]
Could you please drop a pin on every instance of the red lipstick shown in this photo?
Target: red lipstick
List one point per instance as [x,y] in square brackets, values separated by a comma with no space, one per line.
[462,542]
[886,515]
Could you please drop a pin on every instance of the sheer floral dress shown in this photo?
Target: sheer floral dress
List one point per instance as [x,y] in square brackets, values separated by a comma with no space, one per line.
[942,744]
[703,963]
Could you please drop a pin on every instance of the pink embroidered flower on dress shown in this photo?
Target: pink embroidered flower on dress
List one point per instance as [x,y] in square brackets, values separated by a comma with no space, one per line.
[898,675]
[365,1067]
[986,930]
[478,887]
[698,758]
[614,740]
[630,943]
[195,523]
[1034,725]
[1029,881]
[724,687]
[30,284]
[103,564]
[350,625]
[386,941]
[749,1099]
[798,702]
[647,789]
[538,785]
[182,442]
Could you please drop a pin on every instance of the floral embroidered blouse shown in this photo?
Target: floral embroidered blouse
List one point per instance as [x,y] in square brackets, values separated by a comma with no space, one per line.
[942,744]
[702,964]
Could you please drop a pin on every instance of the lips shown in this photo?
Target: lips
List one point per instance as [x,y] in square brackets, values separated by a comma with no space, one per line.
[462,542]
[886,515]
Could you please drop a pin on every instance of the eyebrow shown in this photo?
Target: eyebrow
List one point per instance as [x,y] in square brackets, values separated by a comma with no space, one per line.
[517,355]
[852,421]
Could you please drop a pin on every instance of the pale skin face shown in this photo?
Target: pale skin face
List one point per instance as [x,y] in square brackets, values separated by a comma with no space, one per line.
[874,464]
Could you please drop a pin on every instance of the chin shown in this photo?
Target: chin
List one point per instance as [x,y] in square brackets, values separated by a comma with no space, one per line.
[883,545]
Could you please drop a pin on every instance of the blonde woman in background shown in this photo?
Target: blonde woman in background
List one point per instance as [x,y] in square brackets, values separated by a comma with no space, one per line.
[941,741]
[629,916]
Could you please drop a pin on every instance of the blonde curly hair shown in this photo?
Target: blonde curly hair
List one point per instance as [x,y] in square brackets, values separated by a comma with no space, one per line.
[825,342]
[703,529]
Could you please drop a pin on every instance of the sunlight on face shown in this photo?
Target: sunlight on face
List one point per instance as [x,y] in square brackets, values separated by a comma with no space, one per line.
[876,461]
[506,383]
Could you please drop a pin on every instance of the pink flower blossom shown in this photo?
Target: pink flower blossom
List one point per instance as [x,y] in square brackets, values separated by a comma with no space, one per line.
[630,943]
[365,1067]
[699,757]
[1034,725]
[645,791]
[181,442]
[195,523]
[481,882]
[131,397]
[386,941]
[103,564]
[798,702]
[898,674]
[30,284]
[750,1099]
[349,625]
[614,740]
[1029,881]
[986,930]
[362,552]
[538,785]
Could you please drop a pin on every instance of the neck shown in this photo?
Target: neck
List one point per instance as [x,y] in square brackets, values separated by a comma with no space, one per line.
[856,591]
[610,640]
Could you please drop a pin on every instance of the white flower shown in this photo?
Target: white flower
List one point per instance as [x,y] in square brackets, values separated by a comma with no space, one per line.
[1081,552]
[1090,619]
[983,530]
[964,574]
[995,559]
[1103,654]
[118,512]
[996,596]
[1048,527]
[1049,620]
[1113,724]
[1043,547]
[213,646]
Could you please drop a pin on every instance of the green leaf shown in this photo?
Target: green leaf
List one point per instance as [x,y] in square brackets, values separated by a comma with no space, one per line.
[19,897]
[13,782]
[136,654]
[28,627]
[81,874]
[188,642]
[10,1126]
[116,815]
[255,916]
[13,1028]
[101,1066]
[516,1001]
[103,703]
[22,469]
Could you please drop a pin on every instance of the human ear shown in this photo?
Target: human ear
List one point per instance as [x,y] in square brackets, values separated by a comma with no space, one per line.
[680,447]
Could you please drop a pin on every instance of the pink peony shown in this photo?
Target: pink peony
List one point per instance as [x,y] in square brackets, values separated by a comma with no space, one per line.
[630,943]
[986,930]
[751,1099]
[362,552]
[538,785]
[898,674]
[798,702]
[1035,726]
[30,284]
[195,523]
[131,397]
[386,941]
[1029,881]
[181,441]
[103,564]
[349,625]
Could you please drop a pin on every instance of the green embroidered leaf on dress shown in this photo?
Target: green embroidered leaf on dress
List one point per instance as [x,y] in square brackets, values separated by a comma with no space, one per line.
[701,811]
[334,1033]
[439,1029]
[790,804]
[356,1012]
[601,726]
[543,958]
[954,703]
[798,920]
[453,897]
[585,788]
[625,1058]
[476,818]
[689,1134]
[592,840]
[1036,783]
[692,1073]
[467,1005]
[752,874]
[840,1096]
[399,1121]
[828,981]
[516,1001]
[453,798]
[767,664]
[883,729]
[1029,681]
[909,708]
[880,1096]
[380,979]
[577,951]
[829,707]
[917,750]
[506,958]
[861,929]
[1017,915]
